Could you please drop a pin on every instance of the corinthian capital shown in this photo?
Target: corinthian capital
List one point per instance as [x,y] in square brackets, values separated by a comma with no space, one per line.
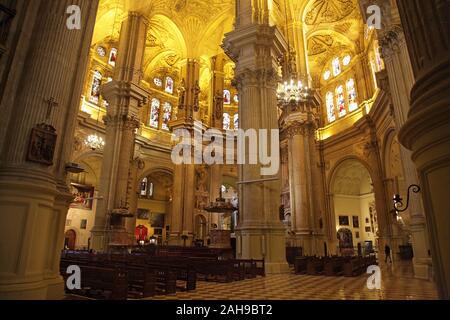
[391,41]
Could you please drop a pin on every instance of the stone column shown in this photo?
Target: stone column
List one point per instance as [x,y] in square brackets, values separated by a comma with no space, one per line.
[401,80]
[217,91]
[125,98]
[300,123]
[256,46]
[427,129]
[181,221]
[34,197]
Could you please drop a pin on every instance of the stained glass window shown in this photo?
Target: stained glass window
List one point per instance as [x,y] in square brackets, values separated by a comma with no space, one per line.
[351,92]
[340,98]
[169,85]
[167,115]
[236,121]
[331,111]
[346,60]
[157,82]
[379,61]
[327,75]
[226,121]
[144,187]
[154,113]
[95,88]
[113,57]
[336,67]
[226,97]
[236,98]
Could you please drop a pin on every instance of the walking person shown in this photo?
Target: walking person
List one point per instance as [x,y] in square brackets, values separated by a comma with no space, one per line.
[387,251]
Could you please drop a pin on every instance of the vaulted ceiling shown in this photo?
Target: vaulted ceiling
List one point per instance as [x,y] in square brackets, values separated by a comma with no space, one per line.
[332,27]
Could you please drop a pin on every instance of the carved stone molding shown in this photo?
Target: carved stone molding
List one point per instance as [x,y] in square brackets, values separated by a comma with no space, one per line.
[391,41]
[124,121]
[260,77]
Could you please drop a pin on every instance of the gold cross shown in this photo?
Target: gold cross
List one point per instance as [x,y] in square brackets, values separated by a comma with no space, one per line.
[51,103]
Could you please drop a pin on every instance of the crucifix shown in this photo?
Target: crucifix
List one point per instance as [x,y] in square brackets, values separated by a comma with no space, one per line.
[51,103]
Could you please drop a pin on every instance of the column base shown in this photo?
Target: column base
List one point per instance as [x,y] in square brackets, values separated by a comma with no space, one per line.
[268,243]
[423,269]
[41,290]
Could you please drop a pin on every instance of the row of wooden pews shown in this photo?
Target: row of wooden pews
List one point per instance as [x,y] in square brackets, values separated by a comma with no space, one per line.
[333,266]
[140,275]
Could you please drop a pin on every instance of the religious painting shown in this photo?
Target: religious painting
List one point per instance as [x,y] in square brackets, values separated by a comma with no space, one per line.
[83,225]
[355,222]
[143,214]
[157,220]
[113,57]
[141,233]
[345,238]
[95,87]
[344,221]
[41,148]
[169,85]
[226,97]
[167,115]
[154,114]
[83,196]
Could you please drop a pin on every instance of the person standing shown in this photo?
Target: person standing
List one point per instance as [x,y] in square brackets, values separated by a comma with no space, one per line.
[387,251]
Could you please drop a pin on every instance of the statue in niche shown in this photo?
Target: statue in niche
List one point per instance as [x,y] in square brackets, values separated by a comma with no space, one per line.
[181,95]
[218,105]
[202,195]
[197,91]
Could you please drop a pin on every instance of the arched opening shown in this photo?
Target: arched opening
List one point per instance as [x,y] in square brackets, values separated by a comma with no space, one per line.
[70,239]
[200,230]
[154,205]
[355,215]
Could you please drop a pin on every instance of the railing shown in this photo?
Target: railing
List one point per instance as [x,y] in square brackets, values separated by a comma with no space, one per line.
[6,17]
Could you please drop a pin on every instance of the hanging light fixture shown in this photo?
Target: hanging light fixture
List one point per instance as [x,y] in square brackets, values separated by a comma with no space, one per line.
[94,141]
[293,92]
[293,89]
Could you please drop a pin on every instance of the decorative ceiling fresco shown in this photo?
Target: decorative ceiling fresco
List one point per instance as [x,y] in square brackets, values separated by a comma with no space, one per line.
[332,27]
[178,29]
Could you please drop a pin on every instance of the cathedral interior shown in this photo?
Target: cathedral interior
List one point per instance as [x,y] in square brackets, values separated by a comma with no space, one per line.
[88,122]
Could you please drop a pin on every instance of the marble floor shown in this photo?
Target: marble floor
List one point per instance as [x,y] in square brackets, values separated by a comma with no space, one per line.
[398,283]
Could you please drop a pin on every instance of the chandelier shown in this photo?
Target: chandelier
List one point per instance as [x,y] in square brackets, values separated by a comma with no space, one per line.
[293,92]
[94,142]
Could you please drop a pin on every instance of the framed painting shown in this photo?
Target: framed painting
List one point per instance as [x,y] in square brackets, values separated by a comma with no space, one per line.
[355,222]
[344,221]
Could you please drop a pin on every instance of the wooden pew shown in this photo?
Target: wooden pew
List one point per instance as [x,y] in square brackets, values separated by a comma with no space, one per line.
[104,283]
[314,266]
[334,266]
[300,265]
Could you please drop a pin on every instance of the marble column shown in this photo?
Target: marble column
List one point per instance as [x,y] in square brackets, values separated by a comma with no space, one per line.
[34,197]
[125,97]
[181,220]
[427,130]
[255,47]
[401,80]
[299,125]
